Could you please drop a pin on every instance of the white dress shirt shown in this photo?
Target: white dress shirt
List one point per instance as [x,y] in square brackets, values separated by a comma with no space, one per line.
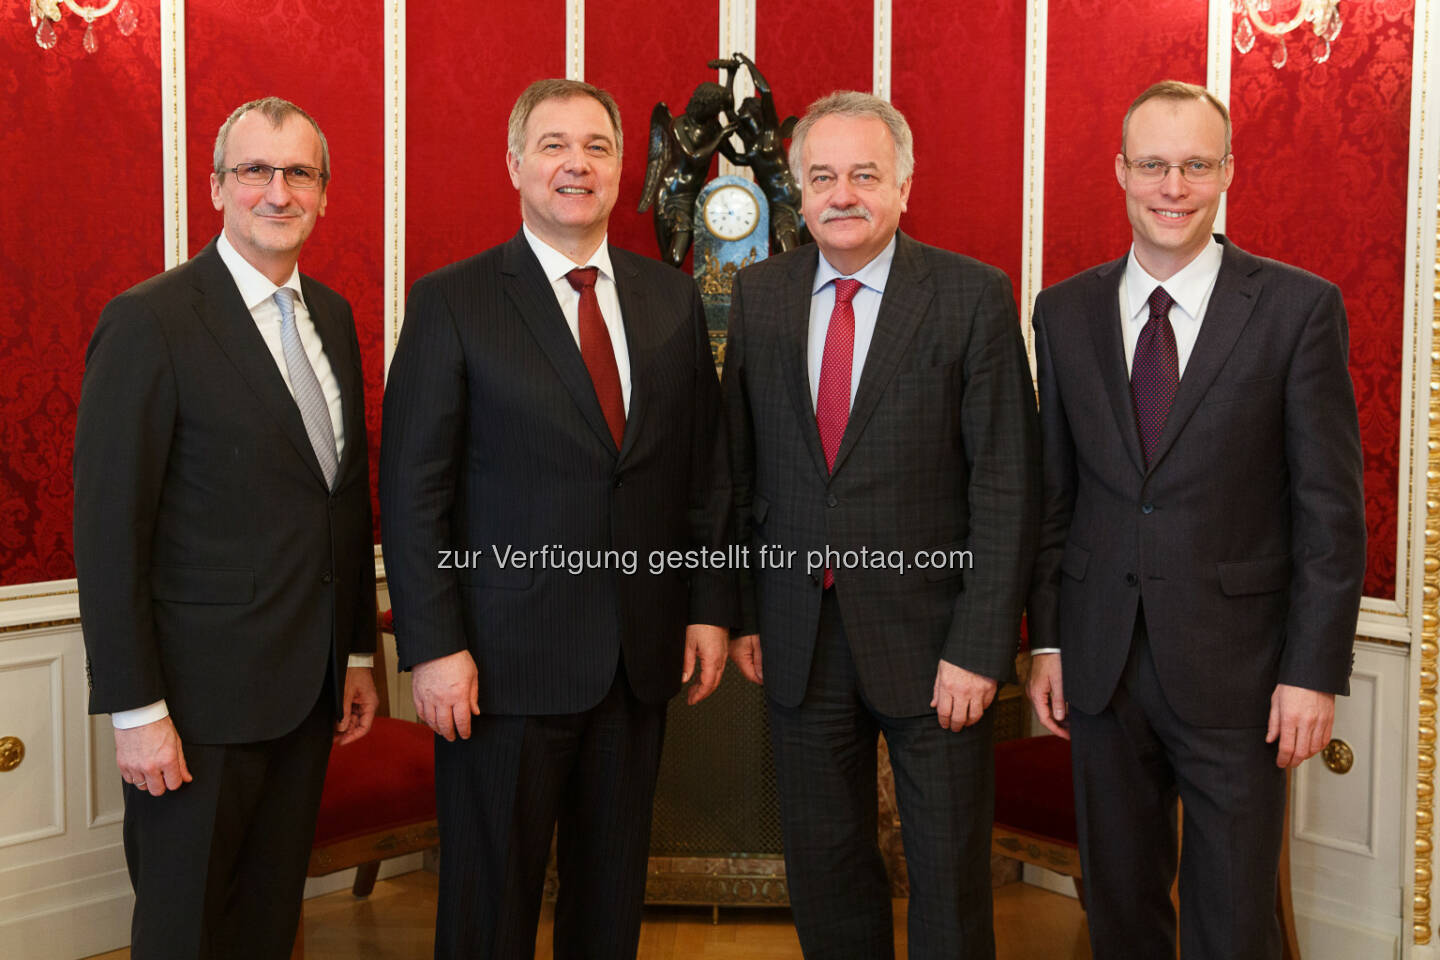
[258,293]
[866,304]
[555,266]
[1190,287]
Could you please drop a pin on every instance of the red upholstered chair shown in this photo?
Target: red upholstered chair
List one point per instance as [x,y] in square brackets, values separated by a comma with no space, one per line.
[1035,820]
[379,797]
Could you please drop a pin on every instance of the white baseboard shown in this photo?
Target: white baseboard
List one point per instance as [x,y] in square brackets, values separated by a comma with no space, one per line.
[1047,880]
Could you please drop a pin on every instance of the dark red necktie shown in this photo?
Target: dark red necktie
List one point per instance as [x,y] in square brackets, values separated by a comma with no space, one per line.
[598,352]
[1154,373]
[832,399]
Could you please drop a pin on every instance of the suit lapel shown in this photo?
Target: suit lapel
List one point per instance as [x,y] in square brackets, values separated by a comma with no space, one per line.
[902,309]
[638,344]
[1236,291]
[794,328]
[1107,338]
[530,292]
[229,321]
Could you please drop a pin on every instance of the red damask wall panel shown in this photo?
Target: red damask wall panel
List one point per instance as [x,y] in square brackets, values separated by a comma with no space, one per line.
[328,58]
[84,222]
[1101,55]
[958,74]
[463,73]
[806,51]
[634,49]
[1320,175]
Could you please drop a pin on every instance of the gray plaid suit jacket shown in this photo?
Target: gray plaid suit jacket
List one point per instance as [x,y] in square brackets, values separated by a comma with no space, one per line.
[940,454]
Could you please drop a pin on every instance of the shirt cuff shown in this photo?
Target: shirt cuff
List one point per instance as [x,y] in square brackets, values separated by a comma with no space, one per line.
[361,660]
[1037,652]
[129,719]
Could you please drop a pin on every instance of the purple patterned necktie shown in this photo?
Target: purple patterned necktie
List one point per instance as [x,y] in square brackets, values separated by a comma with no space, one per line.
[1154,373]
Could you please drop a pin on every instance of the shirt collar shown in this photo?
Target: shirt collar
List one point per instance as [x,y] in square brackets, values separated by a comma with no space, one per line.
[1188,287]
[555,264]
[872,275]
[255,287]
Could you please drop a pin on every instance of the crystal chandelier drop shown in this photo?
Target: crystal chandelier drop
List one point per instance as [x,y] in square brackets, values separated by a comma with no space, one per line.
[44,14]
[1323,16]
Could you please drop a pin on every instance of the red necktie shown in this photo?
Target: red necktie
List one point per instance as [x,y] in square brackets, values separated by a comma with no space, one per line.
[832,400]
[599,354]
[1154,373]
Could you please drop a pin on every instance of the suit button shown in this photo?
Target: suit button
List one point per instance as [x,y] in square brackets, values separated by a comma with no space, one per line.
[325,577]
[619,482]
[832,501]
[1131,579]
[1147,508]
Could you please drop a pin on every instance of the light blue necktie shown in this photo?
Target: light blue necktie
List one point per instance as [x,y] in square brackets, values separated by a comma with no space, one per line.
[306,387]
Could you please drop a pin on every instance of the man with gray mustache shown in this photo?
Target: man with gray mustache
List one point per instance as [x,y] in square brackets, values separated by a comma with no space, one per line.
[878,398]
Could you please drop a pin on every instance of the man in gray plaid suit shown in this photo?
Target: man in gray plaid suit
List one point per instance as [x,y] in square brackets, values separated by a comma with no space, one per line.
[883,444]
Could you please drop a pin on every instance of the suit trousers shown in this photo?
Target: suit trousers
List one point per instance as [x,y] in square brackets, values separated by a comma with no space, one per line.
[500,796]
[218,866]
[1131,761]
[825,755]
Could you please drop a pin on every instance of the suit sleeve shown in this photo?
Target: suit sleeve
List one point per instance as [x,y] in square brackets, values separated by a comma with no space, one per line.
[740,442]
[1001,438]
[712,592]
[420,447]
[123,435]
[1057,494]
[1327,503]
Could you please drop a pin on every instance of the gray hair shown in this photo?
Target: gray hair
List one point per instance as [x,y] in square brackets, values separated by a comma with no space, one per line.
[853,103]
[558,89]
[1176,90]
[275,109]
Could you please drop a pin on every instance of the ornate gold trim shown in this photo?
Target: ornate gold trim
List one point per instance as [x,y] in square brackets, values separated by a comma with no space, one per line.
[1429,662]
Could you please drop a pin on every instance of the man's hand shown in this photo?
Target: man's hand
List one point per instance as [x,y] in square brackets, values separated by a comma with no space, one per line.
[1047,692]
[358,707]
[707,644]
[447,693]
[1302,721]
[745,651]
[151,758]
[960,696]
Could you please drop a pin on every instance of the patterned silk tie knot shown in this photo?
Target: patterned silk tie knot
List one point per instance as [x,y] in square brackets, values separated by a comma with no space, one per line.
[598,352]
[314,411]
[832,397]
[1154,373]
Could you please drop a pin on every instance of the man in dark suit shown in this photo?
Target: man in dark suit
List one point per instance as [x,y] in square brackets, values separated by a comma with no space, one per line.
[224,551]
[550,423]
[882,427]
[1202,548]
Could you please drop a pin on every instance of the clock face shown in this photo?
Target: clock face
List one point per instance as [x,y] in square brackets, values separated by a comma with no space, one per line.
[731,213]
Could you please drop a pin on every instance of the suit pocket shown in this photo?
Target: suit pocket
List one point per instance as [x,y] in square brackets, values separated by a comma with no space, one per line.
[1242,390]
[946,561]
[1074,561]
[1240,578]
[500,578]
[202,584]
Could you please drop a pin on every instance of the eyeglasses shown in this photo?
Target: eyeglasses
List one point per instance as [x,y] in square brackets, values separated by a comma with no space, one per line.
[260,175]
[1195,170]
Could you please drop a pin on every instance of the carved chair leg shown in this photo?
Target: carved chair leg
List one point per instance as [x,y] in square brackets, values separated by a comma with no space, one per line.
[365,875]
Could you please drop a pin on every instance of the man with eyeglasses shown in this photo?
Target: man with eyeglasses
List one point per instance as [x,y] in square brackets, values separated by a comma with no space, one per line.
[1202,549]
[224,550]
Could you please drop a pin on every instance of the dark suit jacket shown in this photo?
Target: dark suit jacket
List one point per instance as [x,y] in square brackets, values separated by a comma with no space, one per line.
[494,439]
[940,453]
[1245,538]
[215,568]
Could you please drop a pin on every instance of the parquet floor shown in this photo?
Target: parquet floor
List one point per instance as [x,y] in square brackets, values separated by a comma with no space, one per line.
[397,923]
